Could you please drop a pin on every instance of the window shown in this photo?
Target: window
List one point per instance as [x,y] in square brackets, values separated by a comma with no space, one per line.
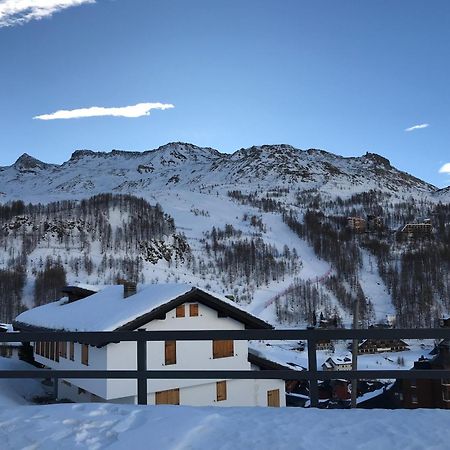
[72,351]
[85,354]
[52,350]
[170,351]
[221,391]
[193,309]
[63,349]
[273,397]
[169,397]
[413,383]
[446,394]
[414,399]
[180,312]
[223,349]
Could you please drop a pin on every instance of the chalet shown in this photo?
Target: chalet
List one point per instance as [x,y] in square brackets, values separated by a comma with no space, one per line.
[337,363]
[324,344]
[382,345]
[151,307]
[356,223]
[9,349]
[429,393]
[424,228]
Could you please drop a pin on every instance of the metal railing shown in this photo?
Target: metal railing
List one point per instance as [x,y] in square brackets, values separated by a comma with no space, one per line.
[142,374]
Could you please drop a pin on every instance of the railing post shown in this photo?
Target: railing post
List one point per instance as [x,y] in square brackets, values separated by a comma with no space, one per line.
[141,367]
[312,368]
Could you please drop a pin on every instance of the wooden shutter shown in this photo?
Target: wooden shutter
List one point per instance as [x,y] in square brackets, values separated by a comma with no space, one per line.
[221,391]
[223,349]
[169,397]
[273,397]
[72,351]
[170,351]
[63,349]
[85,354]
[193,309]
[180,311]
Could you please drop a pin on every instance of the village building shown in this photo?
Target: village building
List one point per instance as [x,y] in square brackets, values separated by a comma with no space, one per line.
[372,346]
[424,228]
[324,344]
[337,363]
[429,393]
[155,307]
[356,223]
[9,349]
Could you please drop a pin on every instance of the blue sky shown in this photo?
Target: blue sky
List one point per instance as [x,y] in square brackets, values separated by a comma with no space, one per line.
[344,76]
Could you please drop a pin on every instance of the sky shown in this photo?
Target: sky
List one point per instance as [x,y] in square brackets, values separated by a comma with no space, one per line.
[346,76]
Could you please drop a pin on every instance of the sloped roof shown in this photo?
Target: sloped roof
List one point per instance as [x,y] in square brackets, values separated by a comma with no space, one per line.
[107,310]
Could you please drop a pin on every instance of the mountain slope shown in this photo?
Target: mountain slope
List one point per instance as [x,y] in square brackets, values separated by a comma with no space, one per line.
[266,225]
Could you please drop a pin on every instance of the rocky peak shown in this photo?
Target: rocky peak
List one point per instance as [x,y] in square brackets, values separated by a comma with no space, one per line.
[78,154]
[27,163]
[377,159]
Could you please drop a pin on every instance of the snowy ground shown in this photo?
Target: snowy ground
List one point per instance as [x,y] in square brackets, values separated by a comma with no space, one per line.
[98,426]
[283,352]
[16,391]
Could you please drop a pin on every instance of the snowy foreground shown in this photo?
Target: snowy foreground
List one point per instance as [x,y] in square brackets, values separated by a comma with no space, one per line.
[97,426]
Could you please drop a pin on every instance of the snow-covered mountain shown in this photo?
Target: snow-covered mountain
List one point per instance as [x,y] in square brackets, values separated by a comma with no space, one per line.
[186,166]
[266,225]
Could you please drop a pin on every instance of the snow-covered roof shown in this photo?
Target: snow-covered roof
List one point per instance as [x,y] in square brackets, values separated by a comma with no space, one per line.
[108,310]
[337,360]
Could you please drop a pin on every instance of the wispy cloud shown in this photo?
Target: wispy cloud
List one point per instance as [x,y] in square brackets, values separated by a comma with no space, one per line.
[139,110]
[418,127]
[445,168]
[18,12]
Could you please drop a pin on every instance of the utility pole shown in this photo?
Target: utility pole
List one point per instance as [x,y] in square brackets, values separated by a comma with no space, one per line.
[355,353]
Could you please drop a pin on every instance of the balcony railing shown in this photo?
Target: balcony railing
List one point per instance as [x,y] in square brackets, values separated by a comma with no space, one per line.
[142,374]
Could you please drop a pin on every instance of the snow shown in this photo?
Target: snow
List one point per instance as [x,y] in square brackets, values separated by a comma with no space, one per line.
[374,288]
[117,427]
[16,391]
[88,314]
[283,352]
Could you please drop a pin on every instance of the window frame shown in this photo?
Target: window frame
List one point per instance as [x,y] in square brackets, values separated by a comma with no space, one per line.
[193,310]
[85,354]
[223,348]
[221,391]
[170,353]
[180,311]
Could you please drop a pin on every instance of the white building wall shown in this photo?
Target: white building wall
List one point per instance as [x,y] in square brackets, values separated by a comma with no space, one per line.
[97,361]
[191,355]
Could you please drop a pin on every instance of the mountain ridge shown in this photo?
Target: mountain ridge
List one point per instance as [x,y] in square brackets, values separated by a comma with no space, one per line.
[187,166]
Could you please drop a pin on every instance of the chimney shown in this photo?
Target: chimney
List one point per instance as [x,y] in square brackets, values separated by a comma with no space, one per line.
[129,289]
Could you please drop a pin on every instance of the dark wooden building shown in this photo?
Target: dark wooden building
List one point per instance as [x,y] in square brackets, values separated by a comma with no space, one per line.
[382,345]
[428,393]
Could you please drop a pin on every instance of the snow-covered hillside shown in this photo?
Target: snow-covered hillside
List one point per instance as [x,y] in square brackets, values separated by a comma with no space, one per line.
[235,224]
